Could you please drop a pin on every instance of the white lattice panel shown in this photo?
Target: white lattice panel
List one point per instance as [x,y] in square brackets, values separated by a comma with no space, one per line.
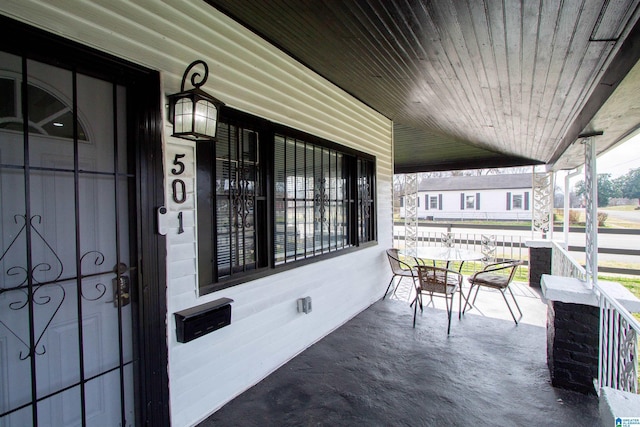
[591,210]
[411,212]
[542,204]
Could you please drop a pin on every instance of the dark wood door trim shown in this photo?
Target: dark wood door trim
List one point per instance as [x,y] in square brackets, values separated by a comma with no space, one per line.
[145,136]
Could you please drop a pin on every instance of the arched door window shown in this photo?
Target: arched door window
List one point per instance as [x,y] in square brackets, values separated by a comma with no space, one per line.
[48,114]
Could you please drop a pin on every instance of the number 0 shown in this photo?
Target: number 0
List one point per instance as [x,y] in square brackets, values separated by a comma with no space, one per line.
[179,194]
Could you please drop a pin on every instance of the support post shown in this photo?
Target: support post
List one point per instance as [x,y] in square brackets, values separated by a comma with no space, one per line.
[591,211]
[411,213]
[542,215]
[567,202]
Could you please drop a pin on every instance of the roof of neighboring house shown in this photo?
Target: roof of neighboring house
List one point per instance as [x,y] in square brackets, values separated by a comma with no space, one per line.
[483,182]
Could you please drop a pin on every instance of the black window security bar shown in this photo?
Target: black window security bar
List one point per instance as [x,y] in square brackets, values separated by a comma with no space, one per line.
[366,206]
[231,205]
[311,200]
[271,196]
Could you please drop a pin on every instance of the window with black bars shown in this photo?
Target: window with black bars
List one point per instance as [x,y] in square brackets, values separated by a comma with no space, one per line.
[366,217]
[230,202]
[269,196]
[311,200]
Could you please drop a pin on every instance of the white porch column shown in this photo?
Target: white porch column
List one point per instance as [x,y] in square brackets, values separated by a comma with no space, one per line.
[567,202]
[542,214]
[591,210]
[411,213]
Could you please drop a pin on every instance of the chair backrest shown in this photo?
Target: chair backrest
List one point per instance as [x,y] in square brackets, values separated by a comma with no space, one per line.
[397,266]
[506,268]
[437,279]
[514,264]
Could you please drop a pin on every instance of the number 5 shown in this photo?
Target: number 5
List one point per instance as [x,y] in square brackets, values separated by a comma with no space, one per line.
[177,162]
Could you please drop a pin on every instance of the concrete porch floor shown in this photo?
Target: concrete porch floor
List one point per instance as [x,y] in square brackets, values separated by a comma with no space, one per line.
[376,370]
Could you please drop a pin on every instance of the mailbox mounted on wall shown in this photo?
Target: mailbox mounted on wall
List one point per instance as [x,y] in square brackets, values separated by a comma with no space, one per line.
[197,321]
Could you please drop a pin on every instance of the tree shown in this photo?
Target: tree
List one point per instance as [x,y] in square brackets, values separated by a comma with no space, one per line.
[630,184]
[558,197]
[606,189]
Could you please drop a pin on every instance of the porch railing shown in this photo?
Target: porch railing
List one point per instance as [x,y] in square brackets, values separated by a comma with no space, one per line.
[618,358]
[563,264]
[619,330]
[494,245]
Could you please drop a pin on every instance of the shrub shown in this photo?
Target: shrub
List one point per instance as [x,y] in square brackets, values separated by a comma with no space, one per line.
[602,218]
[574,216]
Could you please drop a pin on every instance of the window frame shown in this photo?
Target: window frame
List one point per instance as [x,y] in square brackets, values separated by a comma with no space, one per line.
[266,220]
[469,201]
[524,198]
[433,199]
[519,198]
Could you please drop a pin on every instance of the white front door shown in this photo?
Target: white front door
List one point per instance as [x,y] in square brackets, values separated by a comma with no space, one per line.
[67,264]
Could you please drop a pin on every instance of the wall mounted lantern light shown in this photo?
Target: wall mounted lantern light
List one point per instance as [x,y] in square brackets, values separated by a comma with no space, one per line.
[194,112]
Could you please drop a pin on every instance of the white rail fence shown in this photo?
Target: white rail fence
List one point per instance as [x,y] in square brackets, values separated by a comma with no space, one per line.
[619,330]
[492,245]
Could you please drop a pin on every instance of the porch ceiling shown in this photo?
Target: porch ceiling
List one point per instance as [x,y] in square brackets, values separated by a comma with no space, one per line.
[470,84]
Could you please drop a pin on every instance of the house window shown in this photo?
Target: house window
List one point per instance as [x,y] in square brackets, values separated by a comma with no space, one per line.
[320,200]
[470,201]
[518,201]
[366,195]
[48,115]
[311,200]
[231,205]
[433,202]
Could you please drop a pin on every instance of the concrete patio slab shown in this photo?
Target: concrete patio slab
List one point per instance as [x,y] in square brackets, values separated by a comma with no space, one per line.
[377,370]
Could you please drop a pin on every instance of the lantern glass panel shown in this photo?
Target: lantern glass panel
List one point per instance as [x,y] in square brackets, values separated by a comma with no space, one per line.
[183,116]
[206,115]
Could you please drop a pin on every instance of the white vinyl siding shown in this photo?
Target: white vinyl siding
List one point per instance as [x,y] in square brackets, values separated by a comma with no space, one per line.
[487,205]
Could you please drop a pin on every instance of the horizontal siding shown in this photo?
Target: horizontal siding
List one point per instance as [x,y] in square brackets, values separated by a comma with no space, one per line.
[167,36]
[250,75]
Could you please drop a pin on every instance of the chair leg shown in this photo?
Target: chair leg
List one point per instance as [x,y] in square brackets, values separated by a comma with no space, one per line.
[449,310]
[515,300]
[466,299]
[466,303]
[431,300]
[415,310]
[470,304]
[502,291]
[476,295]
[389,286]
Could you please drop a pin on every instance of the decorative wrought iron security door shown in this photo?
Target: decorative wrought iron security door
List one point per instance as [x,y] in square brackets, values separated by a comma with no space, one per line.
[67,260]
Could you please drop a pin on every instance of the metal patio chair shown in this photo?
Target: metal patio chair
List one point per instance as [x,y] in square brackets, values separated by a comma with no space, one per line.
[498,275]
[436,281]
[399,268]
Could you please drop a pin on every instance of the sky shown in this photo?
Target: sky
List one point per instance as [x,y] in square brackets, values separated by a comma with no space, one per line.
[621,159]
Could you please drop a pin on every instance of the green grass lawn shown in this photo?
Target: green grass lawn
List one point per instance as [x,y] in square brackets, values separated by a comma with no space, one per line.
[522,275]
[620,208]
[631,283]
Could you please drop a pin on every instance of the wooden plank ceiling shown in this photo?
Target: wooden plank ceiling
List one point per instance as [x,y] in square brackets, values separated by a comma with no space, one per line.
[467,83]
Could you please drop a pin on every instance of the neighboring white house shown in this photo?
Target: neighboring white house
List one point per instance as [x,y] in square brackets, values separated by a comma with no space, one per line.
[486,197]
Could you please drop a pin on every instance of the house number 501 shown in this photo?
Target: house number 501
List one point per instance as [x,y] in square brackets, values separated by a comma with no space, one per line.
[178,187]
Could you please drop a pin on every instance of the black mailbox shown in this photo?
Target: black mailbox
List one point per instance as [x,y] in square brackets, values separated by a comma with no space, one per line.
[197,321]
